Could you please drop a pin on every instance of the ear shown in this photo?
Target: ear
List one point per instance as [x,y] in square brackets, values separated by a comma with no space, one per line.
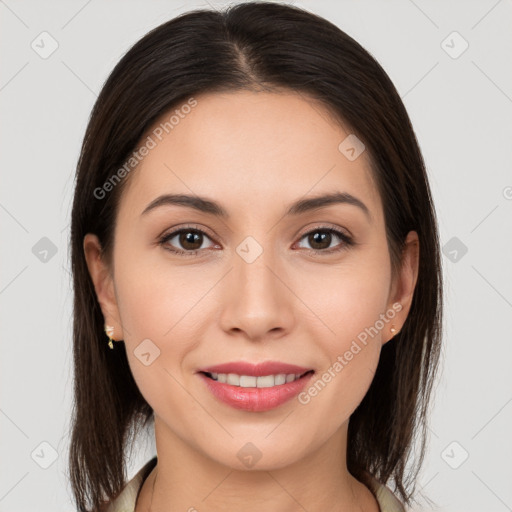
[103,284]
[402,289]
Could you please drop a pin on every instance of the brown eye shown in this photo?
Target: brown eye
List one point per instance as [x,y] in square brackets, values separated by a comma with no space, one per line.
[320,240]
[190,240]
[185,241]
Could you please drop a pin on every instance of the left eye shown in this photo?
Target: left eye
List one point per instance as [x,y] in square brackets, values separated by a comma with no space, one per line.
[321,236]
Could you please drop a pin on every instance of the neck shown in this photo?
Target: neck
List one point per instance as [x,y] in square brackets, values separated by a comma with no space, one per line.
[189,480]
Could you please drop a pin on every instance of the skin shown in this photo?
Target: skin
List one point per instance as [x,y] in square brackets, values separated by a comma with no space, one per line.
[254,153]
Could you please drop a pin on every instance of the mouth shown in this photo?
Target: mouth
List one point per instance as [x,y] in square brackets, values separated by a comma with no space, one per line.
[253,381]
[255,388]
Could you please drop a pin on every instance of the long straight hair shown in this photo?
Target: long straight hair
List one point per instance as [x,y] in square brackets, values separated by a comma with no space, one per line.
[253,46]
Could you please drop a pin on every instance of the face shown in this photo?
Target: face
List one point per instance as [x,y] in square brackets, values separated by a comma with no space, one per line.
[309,287]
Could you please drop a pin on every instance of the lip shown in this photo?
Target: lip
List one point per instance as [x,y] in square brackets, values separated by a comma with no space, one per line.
[255,370]
[256,399]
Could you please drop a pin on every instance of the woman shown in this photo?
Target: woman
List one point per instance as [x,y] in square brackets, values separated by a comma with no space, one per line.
[253,230]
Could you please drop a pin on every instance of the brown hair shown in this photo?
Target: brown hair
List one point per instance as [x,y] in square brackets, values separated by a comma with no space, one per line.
[253,45]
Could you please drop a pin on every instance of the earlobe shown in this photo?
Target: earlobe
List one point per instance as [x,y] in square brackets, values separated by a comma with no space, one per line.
[103,284]
[405,284]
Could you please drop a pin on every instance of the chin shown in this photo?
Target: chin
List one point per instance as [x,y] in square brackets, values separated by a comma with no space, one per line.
[259,455]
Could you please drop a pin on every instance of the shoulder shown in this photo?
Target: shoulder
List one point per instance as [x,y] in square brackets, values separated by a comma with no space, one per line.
[125,501]
[387,501]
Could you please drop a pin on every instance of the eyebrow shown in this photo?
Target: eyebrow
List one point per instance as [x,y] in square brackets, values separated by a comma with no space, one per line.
[208,206]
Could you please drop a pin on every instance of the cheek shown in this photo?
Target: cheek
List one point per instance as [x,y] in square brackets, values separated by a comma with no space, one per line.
[157,299]
[351,304]
[349,299]
[162,315]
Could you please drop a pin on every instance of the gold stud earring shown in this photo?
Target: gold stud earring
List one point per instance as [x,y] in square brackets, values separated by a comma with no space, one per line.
[393,330]
[109,330]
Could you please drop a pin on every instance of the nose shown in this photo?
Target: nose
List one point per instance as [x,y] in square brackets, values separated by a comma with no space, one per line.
[257,303]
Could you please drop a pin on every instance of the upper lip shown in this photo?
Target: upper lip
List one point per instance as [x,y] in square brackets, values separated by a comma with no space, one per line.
[256,370]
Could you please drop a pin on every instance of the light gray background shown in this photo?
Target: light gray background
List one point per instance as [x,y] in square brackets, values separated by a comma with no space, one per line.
[460,108]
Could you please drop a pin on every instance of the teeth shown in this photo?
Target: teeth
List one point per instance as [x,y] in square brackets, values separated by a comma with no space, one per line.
[249,381]
[266,381]
[280,379]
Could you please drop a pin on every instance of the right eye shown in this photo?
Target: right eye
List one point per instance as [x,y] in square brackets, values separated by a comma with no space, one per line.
[190,239]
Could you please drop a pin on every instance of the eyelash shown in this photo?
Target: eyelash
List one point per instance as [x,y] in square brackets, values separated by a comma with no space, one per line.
[347,240]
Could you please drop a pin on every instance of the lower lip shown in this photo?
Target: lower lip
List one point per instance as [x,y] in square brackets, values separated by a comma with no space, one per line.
[256,399]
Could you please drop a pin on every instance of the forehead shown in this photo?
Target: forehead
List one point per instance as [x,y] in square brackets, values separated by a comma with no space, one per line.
[248,146]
